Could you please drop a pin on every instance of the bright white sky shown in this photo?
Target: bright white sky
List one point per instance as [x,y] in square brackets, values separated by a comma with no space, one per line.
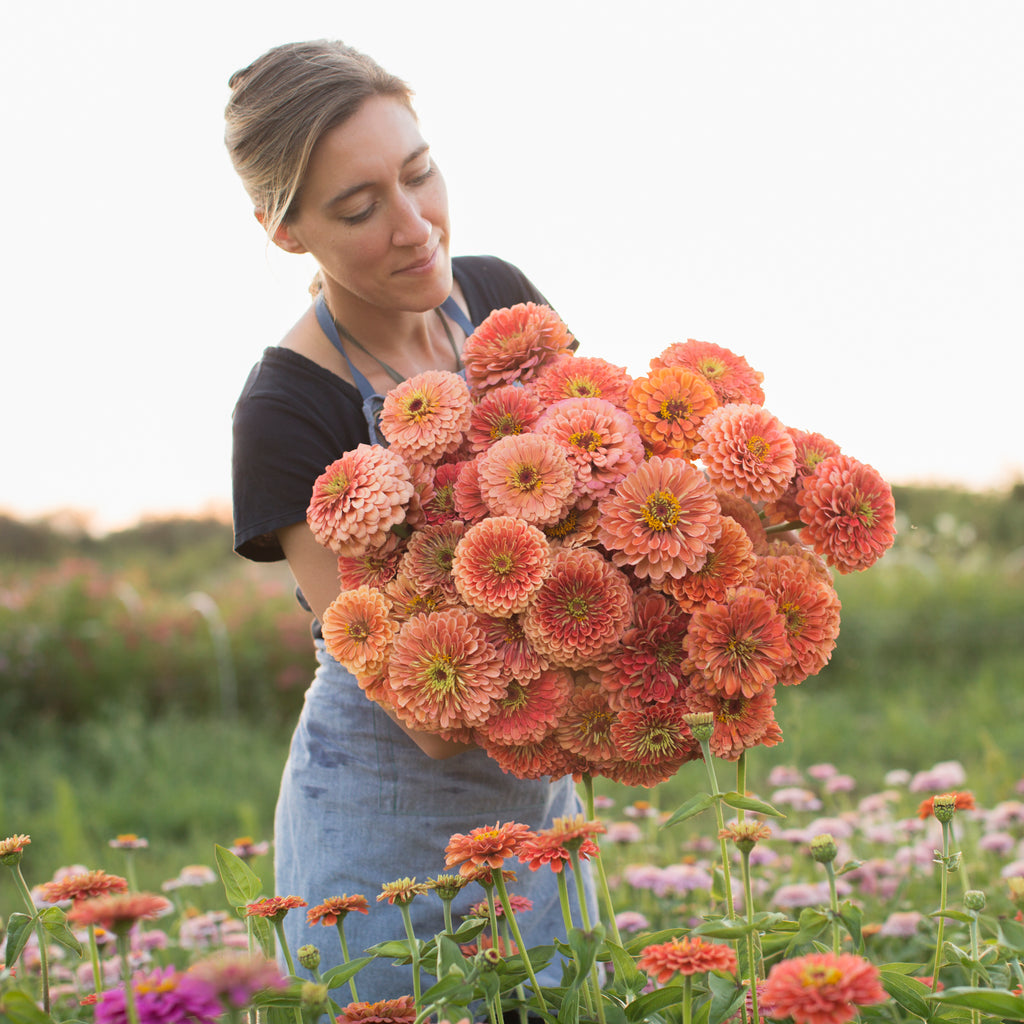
[832,189]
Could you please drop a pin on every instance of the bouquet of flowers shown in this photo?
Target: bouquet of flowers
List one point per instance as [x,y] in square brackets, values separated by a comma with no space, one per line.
[561,562]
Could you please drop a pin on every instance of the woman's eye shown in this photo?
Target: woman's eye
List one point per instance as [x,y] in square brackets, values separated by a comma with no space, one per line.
[358,218]
[425,176]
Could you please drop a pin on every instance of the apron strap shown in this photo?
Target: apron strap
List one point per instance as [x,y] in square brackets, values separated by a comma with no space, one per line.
[326,322]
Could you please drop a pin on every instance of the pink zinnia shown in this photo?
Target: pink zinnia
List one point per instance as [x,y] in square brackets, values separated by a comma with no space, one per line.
[440,508]
[849,513]
[662,519]
[582,377]
[577,528]
[374,568]
[358,498]
[528,476]
[512,344]
[600,440]
[585,728]
[499,564]
[581,610]
[810,450]
[543,759]
[746,450]
[811,609]
[502,412]
[424,418]
[747,516]
[669,405]
[469,502]
[822,988]
[357,628]
[428,557]
[529,710]
[730,375]
[655,735]
[443,672]
[737,645]
[730,563]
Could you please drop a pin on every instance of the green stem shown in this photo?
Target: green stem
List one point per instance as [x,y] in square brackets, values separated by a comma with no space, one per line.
[709,768]
[449,925]
[741,781]
[752,965]
[124,948]
[943,888]
[792,524]
[283,942]
[340,925]
[563,899]
[687,998]
[44,962]
[506,904]
[834,904]
[602,877]
[94,956]
[414,951]
[975,1014]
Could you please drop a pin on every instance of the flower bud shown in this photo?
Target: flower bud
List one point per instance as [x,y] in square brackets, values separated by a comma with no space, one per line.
[309,956]
[943,807]
[702,725]
[974,899]
[824,849]
[314,994]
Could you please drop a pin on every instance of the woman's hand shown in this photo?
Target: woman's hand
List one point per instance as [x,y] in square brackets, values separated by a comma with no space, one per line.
[315,569]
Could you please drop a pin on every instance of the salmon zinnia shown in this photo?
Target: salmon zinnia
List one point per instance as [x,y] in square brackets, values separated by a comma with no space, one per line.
[425,416]
[358,629]
[685,956]
[528,476]
[822,988]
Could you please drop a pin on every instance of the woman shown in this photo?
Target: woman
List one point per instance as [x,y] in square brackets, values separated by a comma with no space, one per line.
[328,147]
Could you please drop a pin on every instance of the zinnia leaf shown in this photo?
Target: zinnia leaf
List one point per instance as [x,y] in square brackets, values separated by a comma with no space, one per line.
[908,992]
[19,928]
[1011,935]
[992,1001]
[337,976]
[747,803]
[241,884]
[19,1008]
[55,921]
[694,806]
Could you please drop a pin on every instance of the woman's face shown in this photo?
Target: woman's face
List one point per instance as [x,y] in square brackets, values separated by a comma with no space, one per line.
[373,212]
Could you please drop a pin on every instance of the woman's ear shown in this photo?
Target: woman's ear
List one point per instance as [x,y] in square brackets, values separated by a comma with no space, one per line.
[282,238]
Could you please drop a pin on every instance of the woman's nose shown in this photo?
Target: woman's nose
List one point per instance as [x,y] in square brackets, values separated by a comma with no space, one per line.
[411,227]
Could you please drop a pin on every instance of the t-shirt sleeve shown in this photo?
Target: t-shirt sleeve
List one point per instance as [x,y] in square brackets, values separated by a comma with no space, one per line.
[287,427]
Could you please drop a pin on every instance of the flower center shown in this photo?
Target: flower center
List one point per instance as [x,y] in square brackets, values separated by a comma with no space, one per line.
[819,975]
[357,631]
[741,649]
[516,698]
[564,527]
[661,511]
[505,426]
[418,407]
[440,675]
[865,513]
[582,388]
[655,741]
[501,564]
[758,447]
[337,486]
[526,478]
[577,607]
[711,368]
[795,618]
[587,440]
[675,409]
[165,985]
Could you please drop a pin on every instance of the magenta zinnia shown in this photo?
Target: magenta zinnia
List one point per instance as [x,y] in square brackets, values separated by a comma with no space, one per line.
[737,645]
[581,610]
[499,564]
[528,476]
[358,498]
[162,996]
[730,376]
[357,628]
[662,518]
[425,416]
[444,673]
[822,988]
[746,450]
[848,512]
[600,441]
[512,344]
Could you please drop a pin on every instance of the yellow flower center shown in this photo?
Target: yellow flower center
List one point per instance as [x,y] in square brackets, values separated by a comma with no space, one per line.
[564,527]
[819,975]
[577,607]
[516,698]
[587,440]
[741,648]
[358,631]
[337,486]
[526,478]
[865,513]
[661,511]
[440,675]
[795,618]
[418,407]
[711,368]
[581,387]
[656,741]
[504,427]
[501,564]
[758,447]
[166,985]
[675,409]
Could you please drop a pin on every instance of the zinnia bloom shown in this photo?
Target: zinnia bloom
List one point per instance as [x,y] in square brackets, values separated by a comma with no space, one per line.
[746,450]
[520,660]
[582,377]
[489,846]
[600,441]
[586,727]
[730,376]
[542,759]
[822,988]
[737,645]
[963,802]
[358,498]
[118,912]
[374,568]
[685,956]
[128,841]
[337,908]
[849,513]
[662,519]
[747,516]
[529,710]
[810,450]
[811,609]
[385,1011]
[546,850]
[469,502]
[512,344]
[425,416]
[528,476]
[739,722]
[13,844]
[440,506]
[427,561]
[444,673]
[85,886]
[577,528]
[162,996]
[654,735]
[499,564]
[401,891]
[236,975]
[500,413]
[730,563]
[358,629]
[274,907]
[581,610]
[669,405]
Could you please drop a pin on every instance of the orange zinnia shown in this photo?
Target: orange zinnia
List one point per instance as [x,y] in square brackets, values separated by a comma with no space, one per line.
[822,988]
[685,956]
[964,802]
[669,405]
[488,846]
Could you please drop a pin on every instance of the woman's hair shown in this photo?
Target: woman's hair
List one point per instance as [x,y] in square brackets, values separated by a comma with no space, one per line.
[283,103]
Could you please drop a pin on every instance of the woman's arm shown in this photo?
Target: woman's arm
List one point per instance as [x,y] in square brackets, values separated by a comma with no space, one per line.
[315,569]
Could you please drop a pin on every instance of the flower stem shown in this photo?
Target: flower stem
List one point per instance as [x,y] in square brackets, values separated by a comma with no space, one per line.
[602,877]
[975,1014]
[123,948]
[687,998]
[94,956]
[340,924]
[414,951]
[833,899]
[943,890]
[44,963]
[752,964]
[709,768]
[506,905]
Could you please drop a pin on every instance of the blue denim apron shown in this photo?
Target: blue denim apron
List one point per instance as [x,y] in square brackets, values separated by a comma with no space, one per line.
[360,805]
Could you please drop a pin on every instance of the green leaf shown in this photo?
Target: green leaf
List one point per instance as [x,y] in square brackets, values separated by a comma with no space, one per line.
[725,998]
[988,1000]
[19,928]
[625,966]
[18,1008]
[1011,935]
[694,806]
[726,928]
[638,943]
[851,917]
[650,1003]
[449,955]
[337,976]
[284,997]
[952,915]
[263,932]
[394,949]
[55,921]
[241,884]
[908,992]
[469,930]
[584,947]
[742,802]
[850,865]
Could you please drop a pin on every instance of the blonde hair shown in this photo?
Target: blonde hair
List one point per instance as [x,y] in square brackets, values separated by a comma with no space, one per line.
[280,107]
